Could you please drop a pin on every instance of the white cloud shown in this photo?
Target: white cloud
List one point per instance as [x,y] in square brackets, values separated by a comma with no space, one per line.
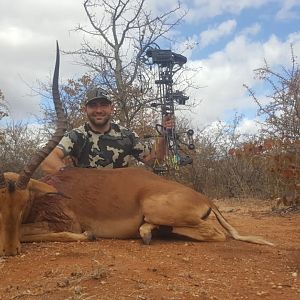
[205,9]
[252,30]
[223,74]
[28,31]
[287,10]
[273,50]
[15,37]
[248,126]
[277,51]
[212,35]
[29,28]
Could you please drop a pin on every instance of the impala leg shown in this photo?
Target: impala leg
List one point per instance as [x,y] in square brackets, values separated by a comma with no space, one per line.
[34,228]
[202,232]
[146,232]
[58,237]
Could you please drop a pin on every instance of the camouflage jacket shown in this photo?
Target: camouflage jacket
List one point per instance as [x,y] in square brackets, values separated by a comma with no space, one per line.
[113,149]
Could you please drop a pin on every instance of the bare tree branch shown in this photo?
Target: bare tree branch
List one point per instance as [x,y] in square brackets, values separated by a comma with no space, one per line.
[116,38]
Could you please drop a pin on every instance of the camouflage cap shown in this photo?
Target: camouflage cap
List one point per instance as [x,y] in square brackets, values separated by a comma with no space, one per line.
[96,94]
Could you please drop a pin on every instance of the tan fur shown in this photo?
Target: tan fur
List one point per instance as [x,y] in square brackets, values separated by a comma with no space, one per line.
[120,203]
[13,207]
[204,231]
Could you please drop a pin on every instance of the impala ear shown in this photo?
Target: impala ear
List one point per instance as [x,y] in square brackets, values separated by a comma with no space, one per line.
[40,188]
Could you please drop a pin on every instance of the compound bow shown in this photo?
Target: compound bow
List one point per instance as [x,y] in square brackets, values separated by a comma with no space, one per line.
[168,64]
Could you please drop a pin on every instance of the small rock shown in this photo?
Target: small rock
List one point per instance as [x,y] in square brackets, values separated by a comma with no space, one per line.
[63,283]
[274,286]
[78,289]
[295,274]
[76,274]
[262,293]
[152,269]
[48,273]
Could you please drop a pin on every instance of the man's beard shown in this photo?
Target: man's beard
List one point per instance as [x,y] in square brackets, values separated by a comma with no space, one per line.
[99,123]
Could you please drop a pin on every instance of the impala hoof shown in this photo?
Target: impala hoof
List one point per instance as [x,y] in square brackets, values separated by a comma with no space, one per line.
[90,236]
[147,238]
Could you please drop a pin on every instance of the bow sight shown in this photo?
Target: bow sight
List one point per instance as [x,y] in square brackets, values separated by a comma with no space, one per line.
[168,64]
[165,57]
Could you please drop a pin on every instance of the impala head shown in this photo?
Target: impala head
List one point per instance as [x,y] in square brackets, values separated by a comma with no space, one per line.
[13,202]
[16,190]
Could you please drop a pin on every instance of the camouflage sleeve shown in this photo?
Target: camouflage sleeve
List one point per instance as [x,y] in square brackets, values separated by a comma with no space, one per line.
[71,143]
[140,150]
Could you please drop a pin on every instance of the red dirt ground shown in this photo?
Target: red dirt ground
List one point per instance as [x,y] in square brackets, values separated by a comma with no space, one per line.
[167,269]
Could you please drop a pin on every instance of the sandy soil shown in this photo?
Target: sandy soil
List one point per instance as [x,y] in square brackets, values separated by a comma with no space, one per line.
[167,269]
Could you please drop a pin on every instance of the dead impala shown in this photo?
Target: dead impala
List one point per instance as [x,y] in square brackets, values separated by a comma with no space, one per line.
[117,203]
[16,191]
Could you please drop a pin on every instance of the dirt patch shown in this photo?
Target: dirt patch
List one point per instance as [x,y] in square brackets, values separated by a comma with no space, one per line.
[167,269]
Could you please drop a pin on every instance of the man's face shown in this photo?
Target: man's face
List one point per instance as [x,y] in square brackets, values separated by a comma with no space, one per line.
[99,112]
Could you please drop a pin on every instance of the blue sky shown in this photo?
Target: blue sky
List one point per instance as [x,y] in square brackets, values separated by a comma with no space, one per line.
[229,40]
[269,18]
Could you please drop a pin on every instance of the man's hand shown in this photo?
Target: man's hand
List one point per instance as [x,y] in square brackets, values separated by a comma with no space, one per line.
[168,122]
[53,162]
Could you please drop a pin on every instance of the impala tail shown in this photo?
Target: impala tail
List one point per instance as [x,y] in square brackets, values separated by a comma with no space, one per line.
[234,233]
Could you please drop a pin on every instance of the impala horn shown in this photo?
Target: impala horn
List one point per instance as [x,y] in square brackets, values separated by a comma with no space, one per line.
[2,180]
[61,125]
